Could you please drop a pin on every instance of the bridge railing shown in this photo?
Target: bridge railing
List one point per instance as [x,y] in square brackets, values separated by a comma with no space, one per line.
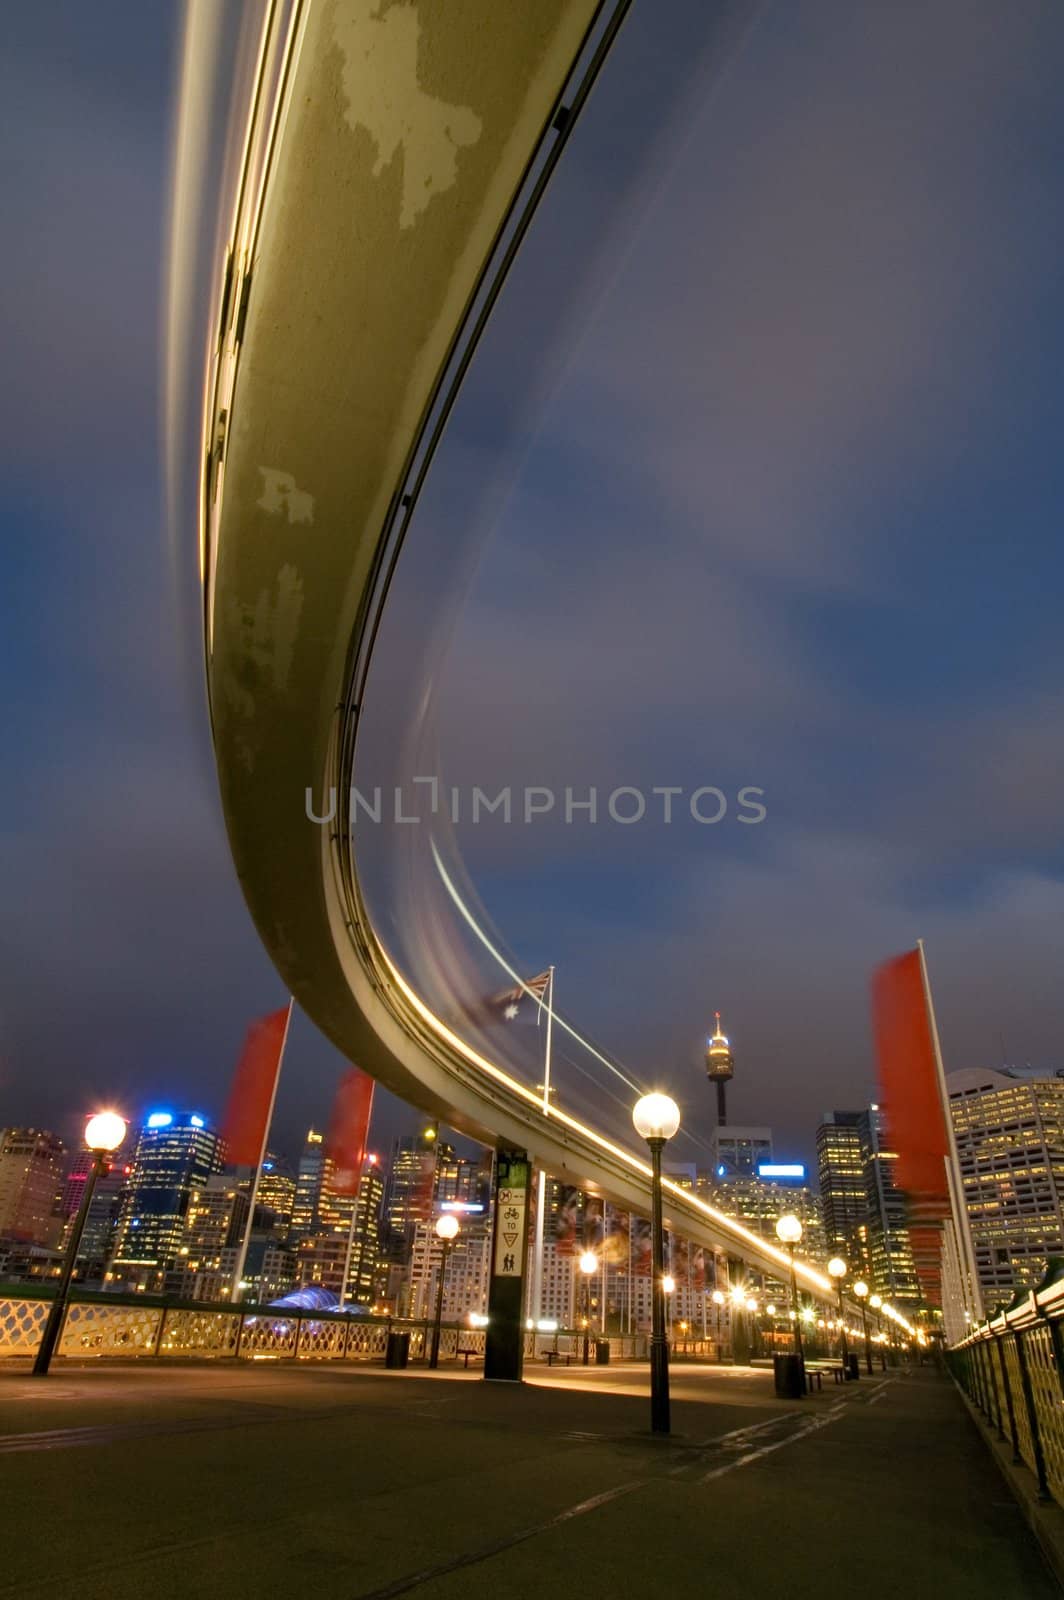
[123,1327]
[1012,1369]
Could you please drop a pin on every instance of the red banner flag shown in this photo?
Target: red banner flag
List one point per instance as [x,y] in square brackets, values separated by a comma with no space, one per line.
[254,1082]
[908,1078]
[345,1142]
[912,1104]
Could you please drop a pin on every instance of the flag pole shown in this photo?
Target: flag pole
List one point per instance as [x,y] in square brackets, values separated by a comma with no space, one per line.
[242,1255]
[354,1214]
[954,1179]
[350,1246]
[541,1176]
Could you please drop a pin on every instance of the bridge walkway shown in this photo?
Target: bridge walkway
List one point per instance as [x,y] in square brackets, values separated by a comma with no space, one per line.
[269,1479]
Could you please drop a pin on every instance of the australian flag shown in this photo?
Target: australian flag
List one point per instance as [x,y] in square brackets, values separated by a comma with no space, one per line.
[522,1002]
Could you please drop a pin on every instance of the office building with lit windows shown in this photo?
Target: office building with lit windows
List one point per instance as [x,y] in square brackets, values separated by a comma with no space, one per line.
[176,1153]
[344,1219]
[1009,1128]
[884,1235]
[841,1173]
[31,1178]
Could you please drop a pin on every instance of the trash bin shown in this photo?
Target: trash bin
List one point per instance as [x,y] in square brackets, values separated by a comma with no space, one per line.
[602,1352]
[397,1353]
[790,1376]
[853,1368]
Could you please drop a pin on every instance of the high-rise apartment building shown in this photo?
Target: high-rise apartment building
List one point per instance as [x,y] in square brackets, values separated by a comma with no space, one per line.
[105,1208]
[175,1156]
[410,1190]
[885,1231]
[320,1256]
[1009,1128]
[465,1285]
[310,1178]
[31,1177]
[276,1199]
[841,1173]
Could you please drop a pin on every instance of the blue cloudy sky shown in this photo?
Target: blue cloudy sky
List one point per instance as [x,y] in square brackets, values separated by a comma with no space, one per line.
[779,506]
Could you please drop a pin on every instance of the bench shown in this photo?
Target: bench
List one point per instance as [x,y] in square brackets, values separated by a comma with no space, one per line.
[559,1355]
[466,1352]
[815,1370]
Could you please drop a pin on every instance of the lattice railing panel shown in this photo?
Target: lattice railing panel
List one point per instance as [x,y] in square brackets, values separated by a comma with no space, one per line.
[267,1334]
[1048,1404]
[21,1325]
[321,1340]
[199,1333]
[1012,1364]
[93,1329]
[366,1343]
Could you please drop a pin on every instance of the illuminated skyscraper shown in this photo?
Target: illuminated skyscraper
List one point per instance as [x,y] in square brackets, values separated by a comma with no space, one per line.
[105,1208]
[841,1168]
[410,1188]
[889,1253]
[320,1257]
[175,1156]
[276,1198]
[1009,1128]
[310,1176]
[31,1177]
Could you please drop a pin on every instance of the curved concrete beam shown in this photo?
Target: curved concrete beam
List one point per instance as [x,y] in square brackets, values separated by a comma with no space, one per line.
[385,181]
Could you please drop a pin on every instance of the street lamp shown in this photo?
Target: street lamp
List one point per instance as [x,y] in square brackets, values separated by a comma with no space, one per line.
[789,1232]
[656,1120]
[837,1269]
[103,1133]
[446,1233]
[718,1301]
[860,1289]
[588,1266]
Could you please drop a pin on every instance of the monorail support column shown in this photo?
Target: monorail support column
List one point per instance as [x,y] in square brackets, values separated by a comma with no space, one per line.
[504,1345]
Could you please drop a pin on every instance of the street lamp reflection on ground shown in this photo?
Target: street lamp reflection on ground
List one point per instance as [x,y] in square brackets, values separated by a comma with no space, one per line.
[656,1120]
[446,1233]
[837,1269]
[789,1232]
[588,1266]
[103,1133]
[860,1289]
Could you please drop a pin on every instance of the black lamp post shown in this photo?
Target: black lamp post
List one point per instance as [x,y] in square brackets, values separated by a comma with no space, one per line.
[103,1134]
[837,1270]
[588,1266]
[789,1232]
[860,1289]
[656,1119]
[446,1232]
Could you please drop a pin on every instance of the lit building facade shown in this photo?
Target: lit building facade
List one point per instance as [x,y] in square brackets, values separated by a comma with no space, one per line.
[31,1178]
[884,1235]
[276,1198]
[175,1156]
[738,1152]
[105,1209]
[841,1172]
[320,1257]
[1009,1129]
[465,1288]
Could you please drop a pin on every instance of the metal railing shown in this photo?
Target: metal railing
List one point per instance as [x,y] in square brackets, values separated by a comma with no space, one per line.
[1012,1369]
[123,1327]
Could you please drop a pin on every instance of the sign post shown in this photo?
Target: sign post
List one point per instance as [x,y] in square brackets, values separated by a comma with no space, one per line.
[504,1350]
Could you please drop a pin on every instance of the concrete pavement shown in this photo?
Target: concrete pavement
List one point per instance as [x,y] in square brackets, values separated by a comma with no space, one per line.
[236,1480]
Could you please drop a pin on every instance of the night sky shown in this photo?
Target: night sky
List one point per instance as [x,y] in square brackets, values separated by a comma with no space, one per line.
[781,509]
